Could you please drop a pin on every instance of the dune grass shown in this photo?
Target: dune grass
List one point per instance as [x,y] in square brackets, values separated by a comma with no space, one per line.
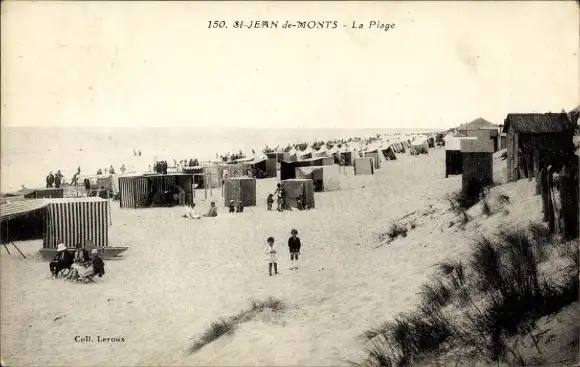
[498,294]
[397,230]
[228,326]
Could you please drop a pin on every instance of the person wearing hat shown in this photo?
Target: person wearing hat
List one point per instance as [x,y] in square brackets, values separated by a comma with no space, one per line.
[232,206]
[62,260]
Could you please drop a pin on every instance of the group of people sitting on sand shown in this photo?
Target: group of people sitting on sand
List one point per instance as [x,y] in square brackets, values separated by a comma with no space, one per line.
[190,212]
[80,265]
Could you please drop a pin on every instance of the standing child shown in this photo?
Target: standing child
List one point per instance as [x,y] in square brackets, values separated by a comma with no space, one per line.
[294,246]
[270,201]
[272,253]
[232,206]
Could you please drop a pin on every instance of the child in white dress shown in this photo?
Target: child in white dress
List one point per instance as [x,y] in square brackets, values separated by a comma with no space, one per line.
[272,253]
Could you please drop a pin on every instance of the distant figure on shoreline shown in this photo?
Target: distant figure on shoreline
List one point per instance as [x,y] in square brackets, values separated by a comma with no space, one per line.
[123,169]
[111,170]
[49,180]
[139,153]
[134,152]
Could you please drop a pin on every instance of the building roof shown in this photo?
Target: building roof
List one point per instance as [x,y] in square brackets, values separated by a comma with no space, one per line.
[478,123]
[538,123]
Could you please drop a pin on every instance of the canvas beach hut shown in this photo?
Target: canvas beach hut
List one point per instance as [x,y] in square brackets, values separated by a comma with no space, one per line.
[419,145]
[322,152]
[232,170]
[347,155]
[317,161]
[70,221]
[240,188]
[272,167]
[295,188]
[305,154]
[375,158]
[287,170]
[364,166]
[256,168]
[279,156]
[388,153]
[213,174]
[324,178]
[143,191]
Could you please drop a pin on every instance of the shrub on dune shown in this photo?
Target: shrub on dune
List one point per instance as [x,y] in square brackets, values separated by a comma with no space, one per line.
[228,326]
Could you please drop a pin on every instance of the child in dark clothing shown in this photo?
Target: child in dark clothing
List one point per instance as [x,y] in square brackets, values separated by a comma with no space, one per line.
[240,207]
[232,206]
[270,201]
[294,247]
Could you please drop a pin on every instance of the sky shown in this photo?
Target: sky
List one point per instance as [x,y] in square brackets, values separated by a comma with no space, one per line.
[137,64]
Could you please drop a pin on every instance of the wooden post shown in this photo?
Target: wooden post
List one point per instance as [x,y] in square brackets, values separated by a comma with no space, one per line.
[210,185]
[205,185]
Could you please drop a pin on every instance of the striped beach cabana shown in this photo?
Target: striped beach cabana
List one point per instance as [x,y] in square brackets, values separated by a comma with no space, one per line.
[77,220]
[135,191]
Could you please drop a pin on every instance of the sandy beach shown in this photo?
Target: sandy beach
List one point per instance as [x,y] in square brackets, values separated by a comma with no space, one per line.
[180,275]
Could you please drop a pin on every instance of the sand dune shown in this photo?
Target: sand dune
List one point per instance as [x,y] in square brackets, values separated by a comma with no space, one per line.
[180,275]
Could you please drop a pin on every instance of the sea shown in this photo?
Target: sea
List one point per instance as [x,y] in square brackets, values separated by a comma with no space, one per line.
[28,154]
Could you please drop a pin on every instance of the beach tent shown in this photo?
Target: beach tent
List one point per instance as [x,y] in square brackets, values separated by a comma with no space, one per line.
[240,188]
[322,152]
[348,156]
[293,155]
[213,174]
[287,170]
[295,188]
[138,191]
[324,178]
[22,219]
[376,159]
[280,156]
[200,179]
[388,153]
[317,161]
[272,167]
[258,168]
[233,170]
[363,166]
[420,145]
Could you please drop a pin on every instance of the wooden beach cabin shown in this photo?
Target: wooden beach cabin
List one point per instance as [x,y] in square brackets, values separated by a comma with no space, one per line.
[240,188]
[482,129]
[141,191]
[477,161]
[364,166]
[535,140]
[453,156]
[324,178]
[295,188]
[287,170]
